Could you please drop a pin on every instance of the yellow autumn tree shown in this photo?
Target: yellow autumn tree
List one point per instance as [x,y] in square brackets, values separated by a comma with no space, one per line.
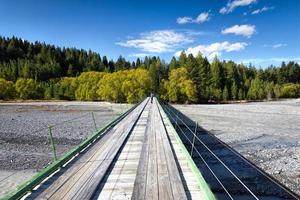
[125,86]
[137,85]
[65,88]
[88,86]
[179,88]
[7,89]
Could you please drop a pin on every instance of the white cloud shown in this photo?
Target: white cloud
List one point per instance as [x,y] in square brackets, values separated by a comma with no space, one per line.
[264,9]
[231,5]
[184,20]
[158,41]
[140,55]
[214,49]
[268,61]
[245,30]
[202,17]
[276,46]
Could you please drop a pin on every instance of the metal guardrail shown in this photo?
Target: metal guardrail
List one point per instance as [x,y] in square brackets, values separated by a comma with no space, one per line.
[208,195]
[176,120]
[51,169]
[194,133]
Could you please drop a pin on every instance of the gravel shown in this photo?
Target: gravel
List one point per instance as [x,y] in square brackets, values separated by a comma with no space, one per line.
[267,133]
[24,129]
[24,143]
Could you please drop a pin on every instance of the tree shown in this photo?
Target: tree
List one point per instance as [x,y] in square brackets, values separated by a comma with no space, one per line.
[173,64]
[234,91]
[7,90]
[138,63]
[105,64]
[155,71]
[241,94]
[256,90]
[47,65]
[217,73]
[128,85]
[65,88]
[182,59]
[27,89]
[137,85]
[87,86]
[290,90]
[225,94]
[203,78]
[179,87]
[111,66]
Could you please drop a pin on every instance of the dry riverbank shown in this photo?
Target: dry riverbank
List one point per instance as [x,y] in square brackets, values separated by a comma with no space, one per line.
[267,133]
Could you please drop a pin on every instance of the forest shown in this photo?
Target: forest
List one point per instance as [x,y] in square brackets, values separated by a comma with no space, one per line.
[42,71]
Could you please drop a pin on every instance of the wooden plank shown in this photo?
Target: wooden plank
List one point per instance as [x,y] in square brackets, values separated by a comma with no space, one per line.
[175,180]
[80,178]
[121,180]
[139,190]
[77,181]
[88,188]
[75,168]
[165,190]
[151,183]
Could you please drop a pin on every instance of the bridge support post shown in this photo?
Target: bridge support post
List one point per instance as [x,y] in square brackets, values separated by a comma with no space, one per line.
[52,143]
[193,144]
[95,125]
[177,119]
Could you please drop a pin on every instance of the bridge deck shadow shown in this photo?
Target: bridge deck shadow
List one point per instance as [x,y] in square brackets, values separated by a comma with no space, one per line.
[261,184]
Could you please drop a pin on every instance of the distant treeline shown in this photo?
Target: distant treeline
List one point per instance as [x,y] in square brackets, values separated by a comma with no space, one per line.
[41,71]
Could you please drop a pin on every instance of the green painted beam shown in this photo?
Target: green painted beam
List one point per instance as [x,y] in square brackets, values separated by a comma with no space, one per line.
[28,186]
[208,195]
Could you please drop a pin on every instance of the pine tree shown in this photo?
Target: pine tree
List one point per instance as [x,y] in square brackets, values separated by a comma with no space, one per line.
[241,94]
[111,66]
[173,64]
[204,77]
[138,63]
[234,91]
[105,64]
[225,94]
[182,59]
[217,72]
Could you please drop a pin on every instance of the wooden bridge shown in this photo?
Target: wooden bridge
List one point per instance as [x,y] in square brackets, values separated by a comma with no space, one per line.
[141,155]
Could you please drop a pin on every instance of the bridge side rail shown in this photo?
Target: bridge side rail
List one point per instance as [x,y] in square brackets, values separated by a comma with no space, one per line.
[29,185]
[201,182]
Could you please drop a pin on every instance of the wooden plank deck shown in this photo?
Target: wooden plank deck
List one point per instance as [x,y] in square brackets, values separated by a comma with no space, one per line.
[157,175]
[81,178]
[119,182]
[137,159]
[192,187]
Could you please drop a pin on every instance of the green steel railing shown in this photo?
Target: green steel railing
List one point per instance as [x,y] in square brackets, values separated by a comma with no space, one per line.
[28,186]
[207,193]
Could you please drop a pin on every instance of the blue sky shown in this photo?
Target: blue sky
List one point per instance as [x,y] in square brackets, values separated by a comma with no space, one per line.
[262,32]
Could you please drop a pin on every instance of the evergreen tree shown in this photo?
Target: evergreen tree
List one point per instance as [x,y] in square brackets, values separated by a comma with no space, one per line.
[234,91]
[241,94]
[182,59]
[225,94]
[105,64]
[138,63]
[173,64]
[217,77]
[204,77]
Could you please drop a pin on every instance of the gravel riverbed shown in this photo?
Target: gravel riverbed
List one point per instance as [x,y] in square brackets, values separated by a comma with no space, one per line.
[24,134]
[267,133]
